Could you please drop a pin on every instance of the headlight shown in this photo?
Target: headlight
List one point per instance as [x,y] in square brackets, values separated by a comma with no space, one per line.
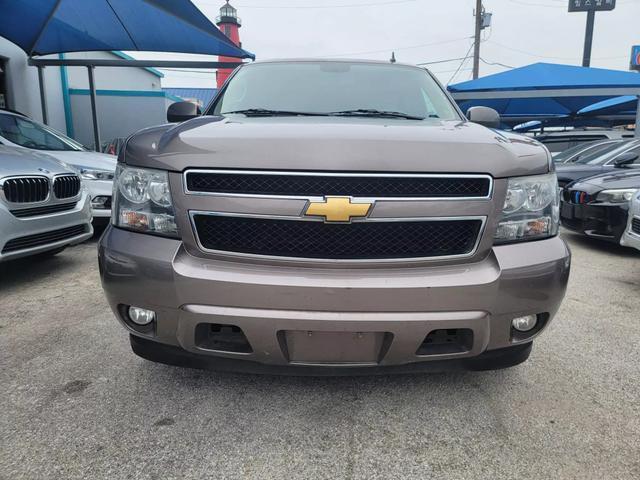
[531,209]
[616,196]
[94,174]
[143,201]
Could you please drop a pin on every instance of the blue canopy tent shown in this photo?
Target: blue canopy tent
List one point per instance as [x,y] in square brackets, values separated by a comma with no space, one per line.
[620,109]
[41,27]
[545,92]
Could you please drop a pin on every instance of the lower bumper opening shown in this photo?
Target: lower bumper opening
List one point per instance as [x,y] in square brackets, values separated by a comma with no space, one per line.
[446,341]
[222,338]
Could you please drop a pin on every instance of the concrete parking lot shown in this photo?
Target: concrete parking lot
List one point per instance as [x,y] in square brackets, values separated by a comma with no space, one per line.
[76,403]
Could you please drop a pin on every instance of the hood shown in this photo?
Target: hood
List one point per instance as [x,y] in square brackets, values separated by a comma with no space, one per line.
[86,159]
[20,161]
[619,178]
[336,144]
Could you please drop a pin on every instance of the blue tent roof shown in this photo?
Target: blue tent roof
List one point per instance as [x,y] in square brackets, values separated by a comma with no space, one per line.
[613,106]
[544,91]
[550,76]
[42,27]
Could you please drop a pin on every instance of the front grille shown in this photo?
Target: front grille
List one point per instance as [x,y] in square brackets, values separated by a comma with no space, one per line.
[66,186]
[359,240]
[576,196]
[635,225]
[362,185]
[46,210]
[45,238]
[26,189]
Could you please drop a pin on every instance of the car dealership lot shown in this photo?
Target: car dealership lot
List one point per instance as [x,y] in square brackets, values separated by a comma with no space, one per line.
[76,402]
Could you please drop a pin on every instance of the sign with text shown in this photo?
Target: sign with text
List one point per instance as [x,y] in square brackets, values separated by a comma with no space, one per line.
[635,58]
[595,5]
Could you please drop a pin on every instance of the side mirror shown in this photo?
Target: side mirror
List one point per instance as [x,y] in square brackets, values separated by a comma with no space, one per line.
[182,111]
[625,159]
[485,116]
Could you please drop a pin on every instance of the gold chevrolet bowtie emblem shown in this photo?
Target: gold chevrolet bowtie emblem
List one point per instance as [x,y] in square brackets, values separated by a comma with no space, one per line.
[338,209]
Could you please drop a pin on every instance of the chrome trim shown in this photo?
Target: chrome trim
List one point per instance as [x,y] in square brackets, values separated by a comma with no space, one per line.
[481,231]
[334,174]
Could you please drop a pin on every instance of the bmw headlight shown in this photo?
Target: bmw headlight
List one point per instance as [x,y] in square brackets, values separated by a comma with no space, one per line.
[621,195]
[95,174]
[531,209]
[143,201]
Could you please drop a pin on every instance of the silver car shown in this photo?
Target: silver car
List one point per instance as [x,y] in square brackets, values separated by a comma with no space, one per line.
[631,237]
[96,169]
[44,206]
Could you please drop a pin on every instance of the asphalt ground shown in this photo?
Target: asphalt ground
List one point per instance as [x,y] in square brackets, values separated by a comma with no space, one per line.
[76,403]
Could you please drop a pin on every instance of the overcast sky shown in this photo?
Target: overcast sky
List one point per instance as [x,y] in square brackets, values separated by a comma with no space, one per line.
[522,32]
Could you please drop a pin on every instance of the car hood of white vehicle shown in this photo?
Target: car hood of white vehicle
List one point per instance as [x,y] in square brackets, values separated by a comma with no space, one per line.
[86,159]
[20,161]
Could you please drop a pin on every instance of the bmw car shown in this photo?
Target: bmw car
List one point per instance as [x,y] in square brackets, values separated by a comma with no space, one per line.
[96,169]
[599,206]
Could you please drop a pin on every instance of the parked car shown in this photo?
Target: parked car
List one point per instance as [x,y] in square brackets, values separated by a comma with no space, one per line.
[598,206]
[626,154]
[589,149]
[559,141]
[631,237]
[43,205]
[97,169]
[334,217]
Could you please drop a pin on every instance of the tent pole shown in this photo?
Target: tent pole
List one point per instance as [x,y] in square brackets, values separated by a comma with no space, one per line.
[43,98]
[94,110]
[637,133]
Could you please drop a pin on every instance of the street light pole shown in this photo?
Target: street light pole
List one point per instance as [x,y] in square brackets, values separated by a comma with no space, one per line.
[476,44]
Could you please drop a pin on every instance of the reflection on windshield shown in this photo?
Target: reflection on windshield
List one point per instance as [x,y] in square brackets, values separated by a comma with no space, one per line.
[26,133]
[600,155]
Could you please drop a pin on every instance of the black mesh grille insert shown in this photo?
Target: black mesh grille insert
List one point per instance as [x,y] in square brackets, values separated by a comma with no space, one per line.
[317,185]
[360,240]
[635,225]
[67,186]
[45,238]
[46,210]
[26,189]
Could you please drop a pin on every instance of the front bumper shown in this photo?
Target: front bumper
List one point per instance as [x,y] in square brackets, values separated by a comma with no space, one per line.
[604,221]
[12,228]
[276,305]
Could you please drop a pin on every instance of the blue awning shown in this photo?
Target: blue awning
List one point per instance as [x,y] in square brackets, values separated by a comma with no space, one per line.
[42,27]
[544,91]
[615,106]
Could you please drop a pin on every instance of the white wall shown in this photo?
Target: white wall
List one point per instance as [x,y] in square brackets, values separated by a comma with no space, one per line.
[23,90]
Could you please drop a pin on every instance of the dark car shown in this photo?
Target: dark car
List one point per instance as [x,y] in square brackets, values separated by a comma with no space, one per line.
[590,149]
[626,153]
[599,206]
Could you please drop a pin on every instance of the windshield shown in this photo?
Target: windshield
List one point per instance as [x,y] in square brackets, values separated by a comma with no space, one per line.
[601,156]
[580,150]
[24,132]
[330,87]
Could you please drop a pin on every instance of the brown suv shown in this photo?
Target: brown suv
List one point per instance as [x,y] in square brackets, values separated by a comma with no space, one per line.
[333,217]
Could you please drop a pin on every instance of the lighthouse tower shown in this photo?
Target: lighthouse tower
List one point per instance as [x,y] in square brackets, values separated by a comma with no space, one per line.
[229,23]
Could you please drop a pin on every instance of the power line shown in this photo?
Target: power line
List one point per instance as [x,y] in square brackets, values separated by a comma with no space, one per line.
[466,57]
[524,52]
[395,49]
[495,63]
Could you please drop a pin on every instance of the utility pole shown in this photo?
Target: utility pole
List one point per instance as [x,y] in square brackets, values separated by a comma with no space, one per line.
[476,43]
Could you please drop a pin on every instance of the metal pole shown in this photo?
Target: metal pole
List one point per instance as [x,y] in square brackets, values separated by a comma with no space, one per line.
[94,110]
[476,44]
[637,133]
[588,38]
[43,97]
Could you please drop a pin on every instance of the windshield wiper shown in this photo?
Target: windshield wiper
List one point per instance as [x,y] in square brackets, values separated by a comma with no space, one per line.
[371,112]
[265,112]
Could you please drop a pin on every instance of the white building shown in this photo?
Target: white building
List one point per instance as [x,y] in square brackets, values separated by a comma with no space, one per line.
[128,99]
